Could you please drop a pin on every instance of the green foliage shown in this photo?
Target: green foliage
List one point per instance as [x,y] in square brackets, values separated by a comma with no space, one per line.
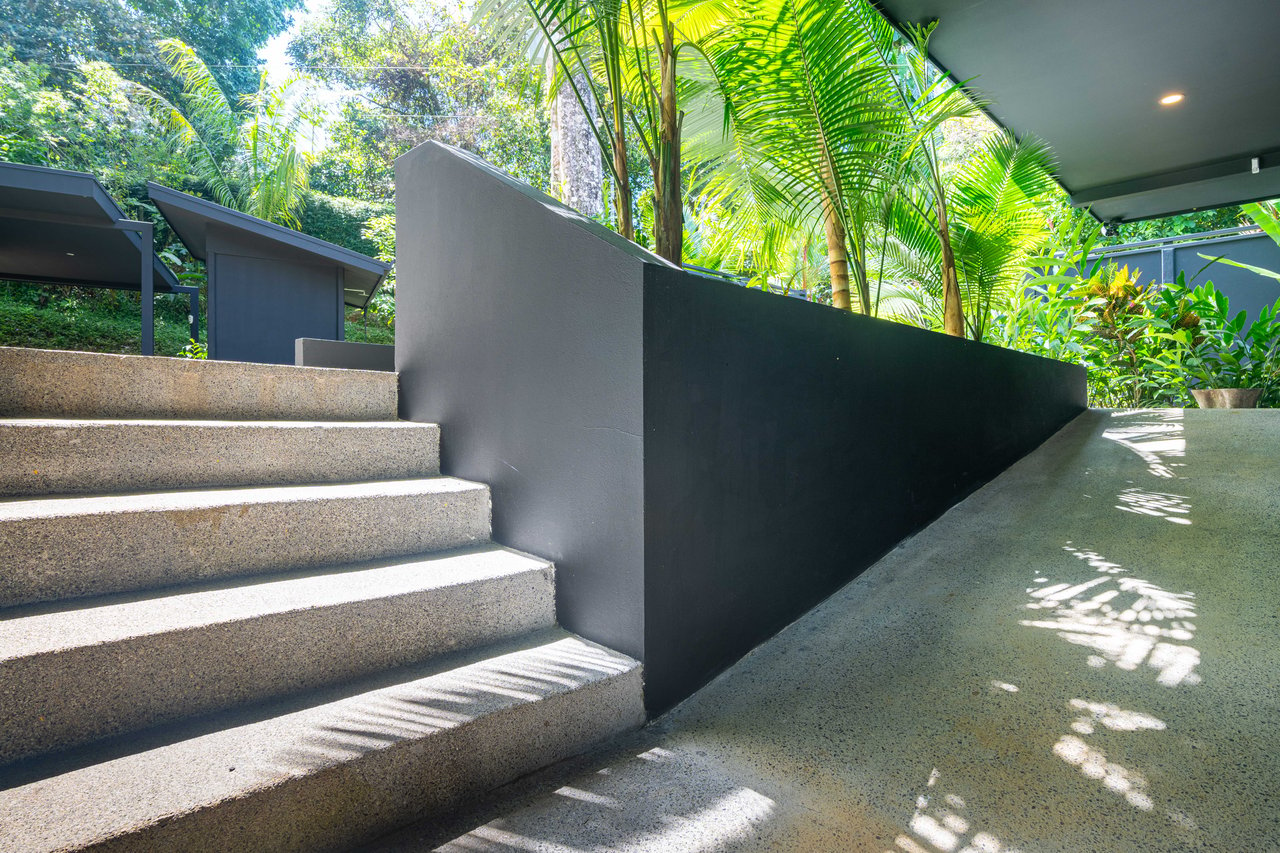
[63,34]
[1214,348]
[87,125]
[381,231]
[996,216]
[836,125]
[369,328]
[1173,226]
[1266,215]
[246,156]
[421,75]
[194,349]
[32,118]
[1144,346]
[343,220]
[87,319]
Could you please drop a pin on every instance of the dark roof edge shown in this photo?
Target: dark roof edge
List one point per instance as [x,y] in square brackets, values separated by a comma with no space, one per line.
[109,208]
[295,239]
[977,102]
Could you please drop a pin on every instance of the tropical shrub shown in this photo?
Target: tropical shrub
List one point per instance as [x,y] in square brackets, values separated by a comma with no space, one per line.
[1212,348]
[1146,346]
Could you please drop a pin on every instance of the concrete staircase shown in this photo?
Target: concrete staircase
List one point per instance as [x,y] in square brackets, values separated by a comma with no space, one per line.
[240,609]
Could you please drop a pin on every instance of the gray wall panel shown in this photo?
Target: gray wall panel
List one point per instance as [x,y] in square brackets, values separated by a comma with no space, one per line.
[1246,290]
[518,330]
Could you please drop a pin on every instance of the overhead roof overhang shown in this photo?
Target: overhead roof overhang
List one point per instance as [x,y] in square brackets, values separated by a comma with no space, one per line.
[61,227]
[1086,76]
[194,219]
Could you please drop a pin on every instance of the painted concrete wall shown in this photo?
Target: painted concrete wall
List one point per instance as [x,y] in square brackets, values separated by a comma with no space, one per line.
[348,355]
[518,330]
[1245,290]
[788,446]
[703,462]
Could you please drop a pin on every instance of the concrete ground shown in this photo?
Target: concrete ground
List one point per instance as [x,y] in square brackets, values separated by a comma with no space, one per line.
[1082,656]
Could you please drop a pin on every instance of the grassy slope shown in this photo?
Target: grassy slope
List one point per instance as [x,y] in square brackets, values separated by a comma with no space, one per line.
[103,325]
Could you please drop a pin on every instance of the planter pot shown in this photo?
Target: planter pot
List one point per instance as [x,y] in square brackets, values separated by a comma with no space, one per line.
[1227,398]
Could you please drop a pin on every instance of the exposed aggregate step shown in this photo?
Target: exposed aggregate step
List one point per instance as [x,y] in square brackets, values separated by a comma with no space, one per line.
[336,768]
[71,674]
[59,548]
[43,456]
[65,384]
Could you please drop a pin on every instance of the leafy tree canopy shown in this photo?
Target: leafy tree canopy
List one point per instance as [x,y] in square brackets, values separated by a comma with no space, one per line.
[87,125]
[62,34]
[420,74]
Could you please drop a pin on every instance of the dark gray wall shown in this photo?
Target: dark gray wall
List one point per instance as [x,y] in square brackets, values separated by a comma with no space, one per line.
[702,462]
[788,446]
[1246,290]
[518,330]
[261,302]
[349,355]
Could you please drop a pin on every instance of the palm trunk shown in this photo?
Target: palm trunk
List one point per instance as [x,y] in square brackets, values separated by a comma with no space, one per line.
[837,254]
[668,208]
[859,262]
[952,310]
[621,184]
[621,177]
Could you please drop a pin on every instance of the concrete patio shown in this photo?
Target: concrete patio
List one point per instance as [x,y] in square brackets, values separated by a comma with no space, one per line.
[1079,657]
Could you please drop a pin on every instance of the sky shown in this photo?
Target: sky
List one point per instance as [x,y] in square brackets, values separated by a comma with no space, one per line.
[274,55]
[276,58]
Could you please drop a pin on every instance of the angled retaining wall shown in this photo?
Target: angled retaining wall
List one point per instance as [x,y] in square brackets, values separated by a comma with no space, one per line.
[702,462]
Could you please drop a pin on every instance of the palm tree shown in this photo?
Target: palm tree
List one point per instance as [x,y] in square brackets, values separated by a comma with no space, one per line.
[834,116]
[996,222]
[809,108]
[247,155]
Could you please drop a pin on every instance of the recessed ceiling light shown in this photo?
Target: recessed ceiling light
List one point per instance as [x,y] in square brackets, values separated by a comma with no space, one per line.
[71,254]
[1171,99]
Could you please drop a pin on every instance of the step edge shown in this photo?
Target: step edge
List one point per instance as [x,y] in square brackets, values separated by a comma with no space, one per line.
[172,596]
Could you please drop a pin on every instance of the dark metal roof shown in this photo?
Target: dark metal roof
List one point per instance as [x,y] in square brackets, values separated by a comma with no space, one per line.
[55,227]
[193,217]
[1086,76]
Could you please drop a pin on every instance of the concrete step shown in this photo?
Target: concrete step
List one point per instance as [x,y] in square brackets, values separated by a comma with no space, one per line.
[63,457]
[335,770]
[69,675]
[62,384]
[59,548]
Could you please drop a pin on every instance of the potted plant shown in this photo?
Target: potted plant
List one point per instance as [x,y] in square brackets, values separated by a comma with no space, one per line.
[1225,361]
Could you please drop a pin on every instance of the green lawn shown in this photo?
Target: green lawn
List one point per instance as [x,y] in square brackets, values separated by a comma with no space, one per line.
[106,321]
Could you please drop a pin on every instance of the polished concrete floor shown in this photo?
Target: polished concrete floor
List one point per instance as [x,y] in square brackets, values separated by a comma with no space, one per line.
[1082,656]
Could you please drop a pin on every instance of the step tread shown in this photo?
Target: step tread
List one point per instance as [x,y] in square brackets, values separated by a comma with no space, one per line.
[89,423]
[45,629]
[67,383]
[262,750]
[216,498]
[99,456]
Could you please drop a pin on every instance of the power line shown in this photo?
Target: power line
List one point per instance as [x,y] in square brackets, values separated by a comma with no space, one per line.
[259,67]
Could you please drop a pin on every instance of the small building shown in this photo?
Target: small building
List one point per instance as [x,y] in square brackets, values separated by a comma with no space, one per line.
[268,285]
[61,227]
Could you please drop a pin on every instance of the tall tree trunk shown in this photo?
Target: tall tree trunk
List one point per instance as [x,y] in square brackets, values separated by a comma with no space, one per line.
[952,310]
[668,208]
[837,254]
[577,174]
